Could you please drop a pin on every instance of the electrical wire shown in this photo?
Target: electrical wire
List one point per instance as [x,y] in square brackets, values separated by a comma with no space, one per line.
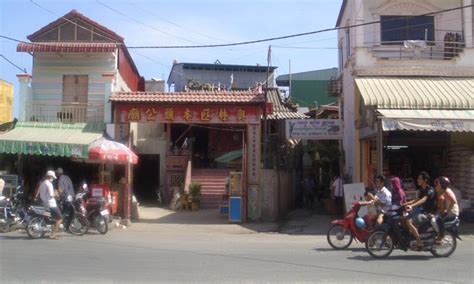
[11,62]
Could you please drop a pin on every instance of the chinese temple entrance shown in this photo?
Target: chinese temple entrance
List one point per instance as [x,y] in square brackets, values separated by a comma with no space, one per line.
[210,146]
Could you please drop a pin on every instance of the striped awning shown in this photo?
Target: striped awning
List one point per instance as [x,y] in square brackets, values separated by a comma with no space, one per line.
[427,120]
[73,47]
[51,139]
[417,92]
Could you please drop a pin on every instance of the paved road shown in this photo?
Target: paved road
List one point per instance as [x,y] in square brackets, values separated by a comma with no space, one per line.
[152,253]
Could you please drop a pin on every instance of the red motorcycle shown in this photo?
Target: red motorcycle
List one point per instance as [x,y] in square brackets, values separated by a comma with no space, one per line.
[343,231]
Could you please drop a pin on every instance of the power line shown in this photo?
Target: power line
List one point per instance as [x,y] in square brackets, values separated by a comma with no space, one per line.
[9,61]
[175,24]
[74,23]
[292,35]
[140,22]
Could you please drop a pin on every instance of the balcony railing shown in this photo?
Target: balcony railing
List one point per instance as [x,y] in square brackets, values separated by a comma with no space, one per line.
[335,86]
[64,112]
[416,49]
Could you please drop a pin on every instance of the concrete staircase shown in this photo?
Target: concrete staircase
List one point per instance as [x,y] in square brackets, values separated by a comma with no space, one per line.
[213,185]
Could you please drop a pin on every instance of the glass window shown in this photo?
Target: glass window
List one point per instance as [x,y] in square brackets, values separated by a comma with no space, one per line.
[396,29]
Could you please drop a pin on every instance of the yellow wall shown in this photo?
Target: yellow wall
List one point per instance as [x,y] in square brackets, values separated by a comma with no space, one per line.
[6,101]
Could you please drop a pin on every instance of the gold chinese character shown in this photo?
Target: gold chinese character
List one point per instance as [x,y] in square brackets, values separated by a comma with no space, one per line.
[169,114]
[133,114]
[187,115]
[241,115]
[205,114]
[151,114]
[223,115]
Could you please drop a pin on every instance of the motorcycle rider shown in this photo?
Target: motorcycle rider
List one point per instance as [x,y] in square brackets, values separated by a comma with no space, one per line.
[66,191]
[419,208]
[47,195]
[382,198]
[448,208]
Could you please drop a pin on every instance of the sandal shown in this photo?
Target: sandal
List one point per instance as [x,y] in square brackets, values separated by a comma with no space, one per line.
[419,247]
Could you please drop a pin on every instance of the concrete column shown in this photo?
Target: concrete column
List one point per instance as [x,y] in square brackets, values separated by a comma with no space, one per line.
[468,23]
[24,93]
[109,81]
[358,32]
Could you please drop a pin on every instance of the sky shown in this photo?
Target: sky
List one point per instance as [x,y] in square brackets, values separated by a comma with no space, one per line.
[186,22]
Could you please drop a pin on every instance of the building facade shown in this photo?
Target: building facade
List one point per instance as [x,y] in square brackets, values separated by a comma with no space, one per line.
[406,87]
[199,76]
[6,101]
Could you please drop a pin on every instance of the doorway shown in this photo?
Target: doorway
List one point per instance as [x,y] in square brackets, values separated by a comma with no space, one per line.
[146,178]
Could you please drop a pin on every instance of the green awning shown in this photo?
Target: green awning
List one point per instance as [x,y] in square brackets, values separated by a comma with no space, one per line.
[229,157]
[51,139]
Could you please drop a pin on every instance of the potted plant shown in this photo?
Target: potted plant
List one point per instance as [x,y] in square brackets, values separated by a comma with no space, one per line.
[195,194]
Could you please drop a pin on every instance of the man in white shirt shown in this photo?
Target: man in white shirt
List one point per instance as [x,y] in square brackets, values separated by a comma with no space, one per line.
[338,195]
[383,198]
[46,193]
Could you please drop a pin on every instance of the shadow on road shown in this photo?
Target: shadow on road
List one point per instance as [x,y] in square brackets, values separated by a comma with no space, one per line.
[368,258]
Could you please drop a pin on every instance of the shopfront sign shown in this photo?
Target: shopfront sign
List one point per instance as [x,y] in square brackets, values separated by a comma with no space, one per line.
[314,129]
[451,125]
[253,157]
[215,114]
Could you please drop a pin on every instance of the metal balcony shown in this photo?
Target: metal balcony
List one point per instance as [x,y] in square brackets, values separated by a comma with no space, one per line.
[64,112]
[416,49]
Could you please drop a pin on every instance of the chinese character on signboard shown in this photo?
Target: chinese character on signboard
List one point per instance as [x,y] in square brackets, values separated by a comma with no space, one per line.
[187,115]
[133,114]
[205,114]
[169,114]
[223,115]
[241,115]
[151,114]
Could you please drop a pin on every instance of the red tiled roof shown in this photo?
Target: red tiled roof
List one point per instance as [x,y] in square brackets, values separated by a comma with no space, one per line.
[190,97]
[66,47]
[69,16]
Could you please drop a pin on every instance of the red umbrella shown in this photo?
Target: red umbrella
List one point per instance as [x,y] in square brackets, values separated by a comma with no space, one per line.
[111,151]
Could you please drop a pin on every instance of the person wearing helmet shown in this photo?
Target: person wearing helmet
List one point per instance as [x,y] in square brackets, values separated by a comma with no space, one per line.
[47,195]
[420,208]
[448,208]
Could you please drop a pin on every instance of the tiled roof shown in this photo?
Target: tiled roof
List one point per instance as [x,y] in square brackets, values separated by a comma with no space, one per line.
[280,111]
[66,47]
[190,97]
[69,16]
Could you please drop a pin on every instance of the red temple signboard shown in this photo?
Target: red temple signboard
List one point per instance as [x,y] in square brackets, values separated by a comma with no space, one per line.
[207,114]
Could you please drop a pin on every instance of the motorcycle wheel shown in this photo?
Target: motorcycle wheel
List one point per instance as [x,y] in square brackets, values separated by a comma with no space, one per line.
[35,228]
[4,227]
[447,247]
[101,224]
[79,225]
[339,237]
[379,244]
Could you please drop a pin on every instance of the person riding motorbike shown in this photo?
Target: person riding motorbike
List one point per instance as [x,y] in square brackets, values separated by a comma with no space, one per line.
[418,209]
[47,195]
[382,198]
[448,208]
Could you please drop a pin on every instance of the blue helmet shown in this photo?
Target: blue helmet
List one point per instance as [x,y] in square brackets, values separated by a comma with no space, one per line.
[360,223]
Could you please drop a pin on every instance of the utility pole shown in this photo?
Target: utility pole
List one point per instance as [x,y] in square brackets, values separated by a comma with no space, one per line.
[265,126]
[289,79]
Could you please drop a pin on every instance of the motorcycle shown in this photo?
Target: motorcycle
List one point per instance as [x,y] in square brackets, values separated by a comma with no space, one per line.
[343,231]
[13,213]
[42,222]
[392,234]
[95,211]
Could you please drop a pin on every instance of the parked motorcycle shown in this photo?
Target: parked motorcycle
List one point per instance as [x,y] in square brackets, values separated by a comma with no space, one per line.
[13,214]
[42,222]
[343,231]
[95,211]
[393,235]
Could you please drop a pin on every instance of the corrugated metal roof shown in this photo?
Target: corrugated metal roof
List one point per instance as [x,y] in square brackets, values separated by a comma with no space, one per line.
[417,92]
[66,47]
[316,75]
[427,120]
[52,139]
[280,111]
[190,97]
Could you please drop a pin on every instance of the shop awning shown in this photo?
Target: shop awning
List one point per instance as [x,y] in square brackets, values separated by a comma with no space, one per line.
[427,120]
[417,92]
[51,139]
